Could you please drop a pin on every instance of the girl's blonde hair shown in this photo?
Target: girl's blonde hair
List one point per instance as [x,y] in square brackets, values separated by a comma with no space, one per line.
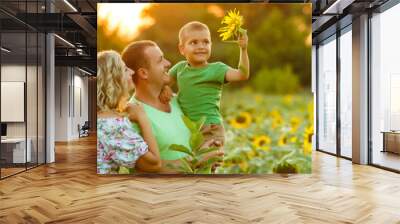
[111,84]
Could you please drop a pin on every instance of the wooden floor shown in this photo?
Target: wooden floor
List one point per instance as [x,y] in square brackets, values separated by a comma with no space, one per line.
[69,191]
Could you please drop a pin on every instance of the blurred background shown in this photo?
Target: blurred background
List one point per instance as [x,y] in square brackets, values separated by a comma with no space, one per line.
[279,36]
[268,119]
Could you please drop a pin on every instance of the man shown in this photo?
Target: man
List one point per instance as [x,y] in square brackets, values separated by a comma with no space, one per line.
[146,59]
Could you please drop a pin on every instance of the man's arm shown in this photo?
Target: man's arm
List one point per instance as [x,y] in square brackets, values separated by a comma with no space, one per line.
[243,71]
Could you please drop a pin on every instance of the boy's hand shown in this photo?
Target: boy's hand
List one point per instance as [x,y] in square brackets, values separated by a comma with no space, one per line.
[243,40]
[135,112]
[166,94]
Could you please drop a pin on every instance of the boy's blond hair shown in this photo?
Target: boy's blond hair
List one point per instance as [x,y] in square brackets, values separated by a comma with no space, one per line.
[191,26]
[111,85]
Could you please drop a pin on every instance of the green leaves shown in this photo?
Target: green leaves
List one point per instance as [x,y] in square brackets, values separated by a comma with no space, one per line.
[125,170]
[181,148]
[196,139]
[196,161]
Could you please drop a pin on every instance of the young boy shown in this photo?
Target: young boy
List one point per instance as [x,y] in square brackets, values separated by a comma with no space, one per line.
[200,82]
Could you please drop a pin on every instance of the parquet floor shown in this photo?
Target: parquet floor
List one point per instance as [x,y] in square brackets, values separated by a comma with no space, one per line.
[69,191]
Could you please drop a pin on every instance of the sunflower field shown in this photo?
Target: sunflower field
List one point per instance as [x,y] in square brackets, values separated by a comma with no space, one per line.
[266,133]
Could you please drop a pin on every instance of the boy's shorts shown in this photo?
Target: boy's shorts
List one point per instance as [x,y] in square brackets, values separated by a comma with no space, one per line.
[215,132]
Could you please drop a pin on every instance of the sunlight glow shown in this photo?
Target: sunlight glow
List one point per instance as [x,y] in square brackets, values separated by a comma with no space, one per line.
[124,19]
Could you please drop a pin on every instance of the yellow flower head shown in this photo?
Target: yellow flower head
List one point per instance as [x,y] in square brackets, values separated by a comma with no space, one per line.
[293,139]
[262,142]
[233,22]
[307,147]
[294,123]
[308,134]
[275,113]
[243,120]
[282,140]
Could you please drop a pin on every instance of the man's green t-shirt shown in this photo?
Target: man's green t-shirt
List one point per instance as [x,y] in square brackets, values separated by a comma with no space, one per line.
[168,128]
[200,90]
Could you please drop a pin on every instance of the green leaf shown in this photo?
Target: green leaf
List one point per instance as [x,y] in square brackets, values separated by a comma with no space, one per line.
[180,148]
[194,161]
[182,169]
[186,165]
[189,123]
[285,167]
[123,170]
[196,139]
[211,161]
[204,170]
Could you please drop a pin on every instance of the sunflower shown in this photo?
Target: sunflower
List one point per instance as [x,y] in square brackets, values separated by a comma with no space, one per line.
[282,140]
[277,121]
[294,122]
[293,139]
[233,22]
[307,147]
[275,113]
[262,142]
[243,120]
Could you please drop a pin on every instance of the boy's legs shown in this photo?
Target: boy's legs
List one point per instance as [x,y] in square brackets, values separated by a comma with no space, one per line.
[215,133]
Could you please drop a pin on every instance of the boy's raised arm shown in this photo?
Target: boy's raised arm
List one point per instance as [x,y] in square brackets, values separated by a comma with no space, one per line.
[243,71]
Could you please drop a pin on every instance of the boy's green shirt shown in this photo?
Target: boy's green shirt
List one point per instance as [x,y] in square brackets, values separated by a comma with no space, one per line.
[200,90]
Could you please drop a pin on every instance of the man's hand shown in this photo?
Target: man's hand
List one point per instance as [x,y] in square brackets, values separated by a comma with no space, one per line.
[166,94]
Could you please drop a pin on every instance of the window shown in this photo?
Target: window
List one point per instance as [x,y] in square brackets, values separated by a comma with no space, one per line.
[385,88]
[327,95]
[346,92]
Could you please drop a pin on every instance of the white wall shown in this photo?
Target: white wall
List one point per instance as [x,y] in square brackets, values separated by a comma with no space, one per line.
[12,73]
[70,83]
[34,124]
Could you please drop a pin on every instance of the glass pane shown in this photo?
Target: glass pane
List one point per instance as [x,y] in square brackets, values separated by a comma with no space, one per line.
[327,96]
[346,94]
[13,73]
[31,97]
[386,89]
[41,99]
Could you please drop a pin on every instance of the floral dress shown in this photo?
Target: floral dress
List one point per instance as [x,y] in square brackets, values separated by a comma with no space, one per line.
[118,145]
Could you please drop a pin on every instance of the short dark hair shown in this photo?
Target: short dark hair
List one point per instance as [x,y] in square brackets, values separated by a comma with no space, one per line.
[133,54]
